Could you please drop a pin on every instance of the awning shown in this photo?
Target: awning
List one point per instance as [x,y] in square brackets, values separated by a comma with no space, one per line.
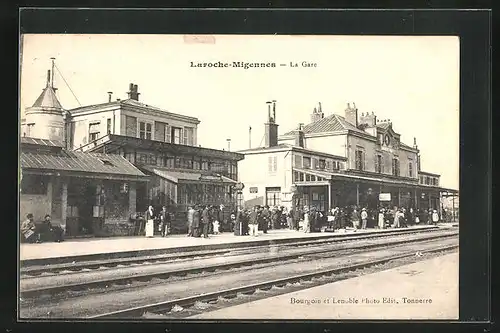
[342,176]
[195,177]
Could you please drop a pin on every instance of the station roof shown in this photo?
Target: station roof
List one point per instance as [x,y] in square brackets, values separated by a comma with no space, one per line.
[340,175]
[332,123]
[48,100]
[184,176]
[42,142]
[98,165]
[287,146]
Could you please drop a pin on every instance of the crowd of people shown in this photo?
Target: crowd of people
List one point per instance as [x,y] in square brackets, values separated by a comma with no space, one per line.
[203,220]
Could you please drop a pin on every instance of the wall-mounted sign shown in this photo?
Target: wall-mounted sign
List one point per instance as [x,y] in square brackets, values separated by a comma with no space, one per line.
[254,189]
[384,197]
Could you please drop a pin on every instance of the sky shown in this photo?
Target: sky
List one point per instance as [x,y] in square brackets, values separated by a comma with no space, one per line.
[413,81]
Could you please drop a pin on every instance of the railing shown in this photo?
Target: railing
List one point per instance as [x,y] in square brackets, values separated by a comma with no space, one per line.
[92,144]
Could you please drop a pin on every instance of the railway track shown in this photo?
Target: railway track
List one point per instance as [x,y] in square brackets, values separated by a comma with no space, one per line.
[252,267]
[191,305]
[31,270]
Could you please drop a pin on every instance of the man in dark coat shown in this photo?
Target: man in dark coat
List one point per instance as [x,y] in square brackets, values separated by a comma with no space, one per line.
[266,216]
[205,221]
[51,232]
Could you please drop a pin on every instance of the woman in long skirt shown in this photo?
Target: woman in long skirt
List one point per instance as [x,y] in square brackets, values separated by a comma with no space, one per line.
[307,223]
[381,219]
[149,222]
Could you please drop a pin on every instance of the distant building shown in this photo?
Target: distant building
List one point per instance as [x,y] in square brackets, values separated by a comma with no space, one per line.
[375,167]
[161,144]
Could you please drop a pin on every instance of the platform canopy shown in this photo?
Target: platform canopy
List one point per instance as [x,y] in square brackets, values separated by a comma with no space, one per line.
[324,177]
[192,177]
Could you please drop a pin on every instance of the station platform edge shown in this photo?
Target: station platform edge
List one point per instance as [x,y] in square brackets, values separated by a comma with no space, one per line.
[109,248]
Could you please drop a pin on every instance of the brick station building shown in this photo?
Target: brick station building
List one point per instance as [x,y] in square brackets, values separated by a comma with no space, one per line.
[336,160]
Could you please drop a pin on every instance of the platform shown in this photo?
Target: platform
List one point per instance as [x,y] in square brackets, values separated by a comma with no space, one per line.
[434,282]
[105,248]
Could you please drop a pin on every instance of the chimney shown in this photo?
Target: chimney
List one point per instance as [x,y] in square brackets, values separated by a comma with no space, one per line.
[271,128]
[351,115]
[274,110]
[368,119]
[48,77]
[133,92]
[110,93]
[299,136]
[317,114]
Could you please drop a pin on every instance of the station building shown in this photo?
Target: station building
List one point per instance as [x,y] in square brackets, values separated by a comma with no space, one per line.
[338,161]
[160,144]
[87,194]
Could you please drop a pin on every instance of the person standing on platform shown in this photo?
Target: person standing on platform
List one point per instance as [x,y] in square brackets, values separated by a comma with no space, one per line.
[381,219]
[307,222]
[289,219]
[165,221]
[266,217]
[364,218]
[150,221]
[435,217]
[429,216]
[296,219]
[205,221]
[253,222]
[355,217]
[190,214]
[196,221]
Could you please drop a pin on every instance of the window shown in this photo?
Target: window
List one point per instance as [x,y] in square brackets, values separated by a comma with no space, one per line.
[378,163]
[272,162]
[108,126]
[273,196]
[168,133]
[152,159]
[141,158]
[176,135]
[145,130]
[93,131]
[298,161]
[322,164]
[306,162]
[360,159]
[410,169]
[421,180]
[314,163]
[29,129]
[395,167]
[34,184]
[189,136]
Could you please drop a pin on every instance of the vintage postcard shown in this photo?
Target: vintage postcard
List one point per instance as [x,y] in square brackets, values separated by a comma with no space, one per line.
[211,177]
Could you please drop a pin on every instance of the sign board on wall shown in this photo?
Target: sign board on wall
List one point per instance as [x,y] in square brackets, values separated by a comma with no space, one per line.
[384,197]
[254,189]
